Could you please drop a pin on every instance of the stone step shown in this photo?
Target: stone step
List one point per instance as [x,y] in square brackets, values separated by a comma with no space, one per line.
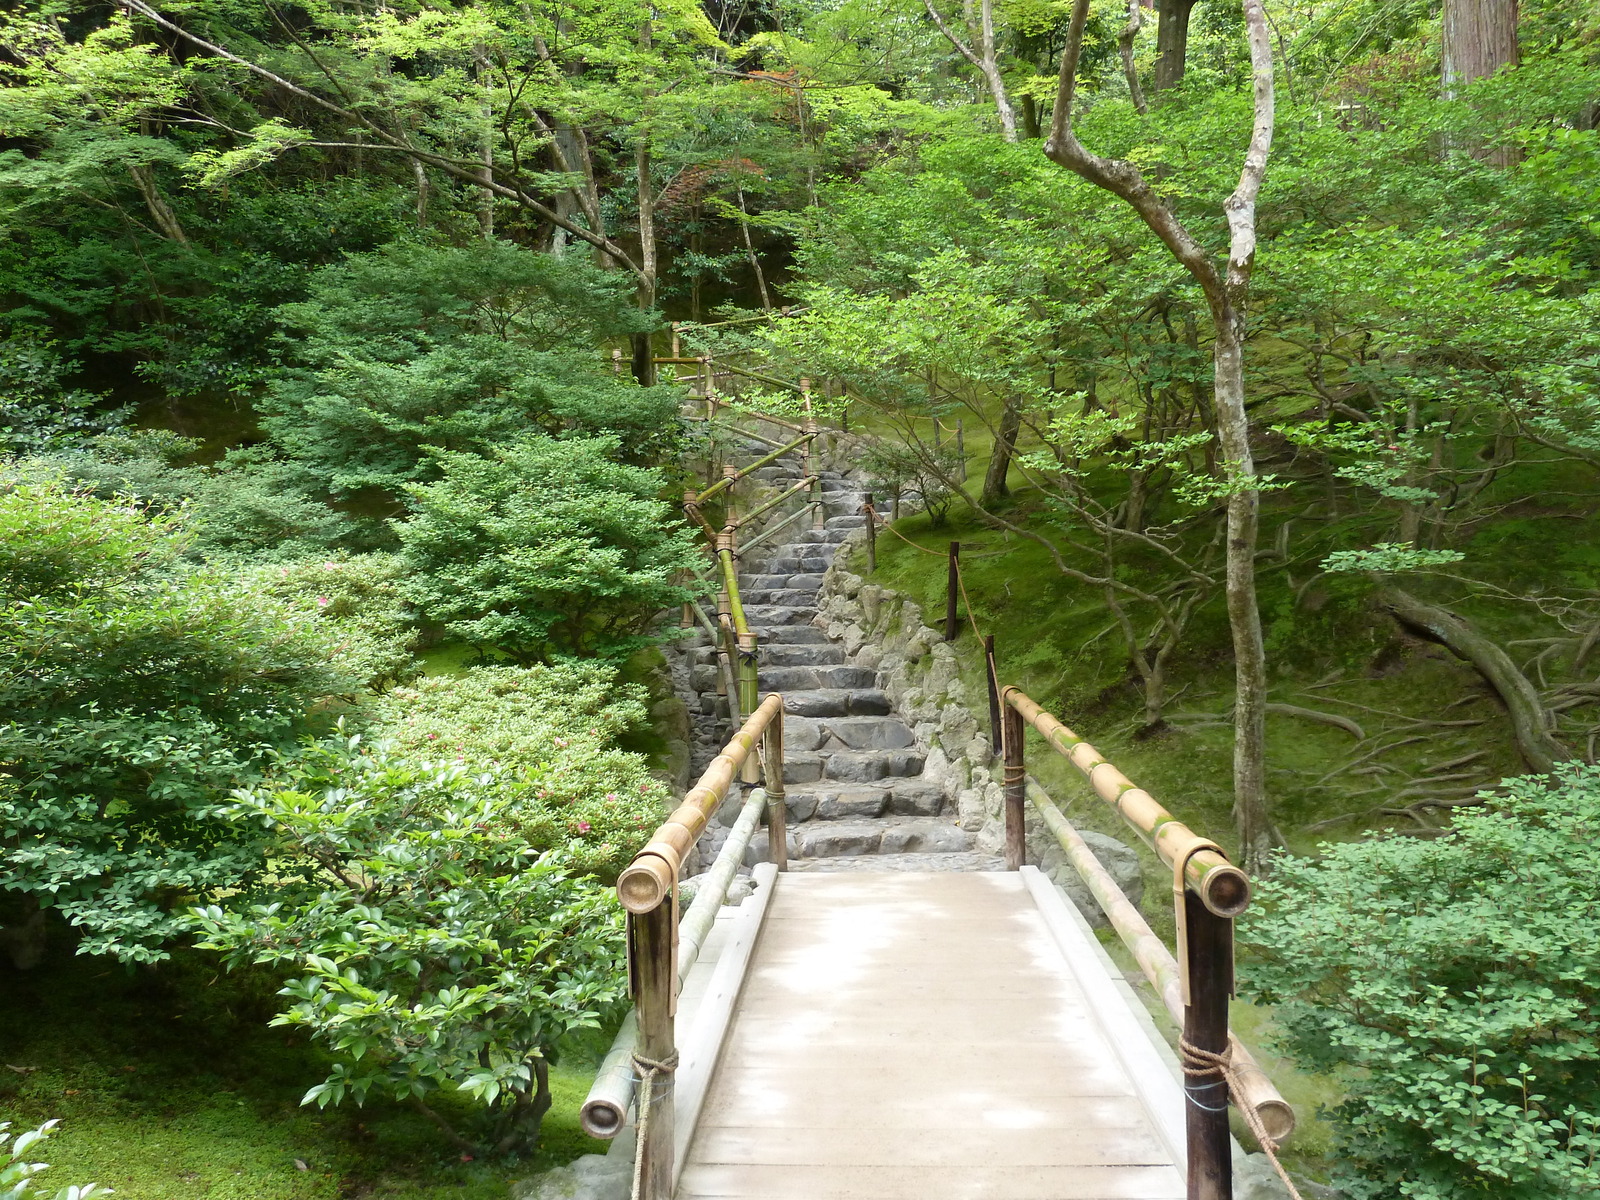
[779,614]
[863,801]
[756,581]
[827,655]
[791,597]
[848,521]
[837,702]
[828,734]
[792,560]
[788,635]
[808,537]
[892,835]
[965,860]
[807,679]
[849,766]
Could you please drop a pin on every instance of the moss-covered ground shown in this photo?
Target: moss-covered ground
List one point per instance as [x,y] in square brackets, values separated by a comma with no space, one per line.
[170,1085]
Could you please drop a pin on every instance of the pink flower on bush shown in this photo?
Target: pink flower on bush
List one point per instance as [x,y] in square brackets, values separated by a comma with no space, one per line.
[611,797]
[322,602]
[583,827]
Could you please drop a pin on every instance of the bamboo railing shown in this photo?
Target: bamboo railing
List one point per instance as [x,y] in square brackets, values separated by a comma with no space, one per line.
[1195,985]
[640,1069]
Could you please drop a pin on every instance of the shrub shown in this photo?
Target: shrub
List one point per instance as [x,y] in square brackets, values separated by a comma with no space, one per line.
[359,602]
[1453,987]
[134,695]
[548,548]
[549,735]
[461,348]
[433,949]
[38,412]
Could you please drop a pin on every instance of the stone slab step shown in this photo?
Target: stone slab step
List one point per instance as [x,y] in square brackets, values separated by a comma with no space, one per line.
[788,635]
[785,679]
[837,702]
[849,766]
[787,597]
[776,614]
[861,801]
[848,521]
[809,559]
[802,655]
[965,860]
[893,835]
[804,580]
[832,734]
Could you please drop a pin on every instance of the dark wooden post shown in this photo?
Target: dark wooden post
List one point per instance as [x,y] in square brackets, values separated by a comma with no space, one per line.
[961,449]
[996,731]
[1209,941]
[651,938]
[1016,789]
[952,591]
[777,814]
[872,535]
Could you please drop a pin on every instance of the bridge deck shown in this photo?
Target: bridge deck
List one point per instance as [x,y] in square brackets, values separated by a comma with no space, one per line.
[923,1036]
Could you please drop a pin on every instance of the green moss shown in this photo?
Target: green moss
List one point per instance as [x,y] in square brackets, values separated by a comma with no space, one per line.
[171,1086]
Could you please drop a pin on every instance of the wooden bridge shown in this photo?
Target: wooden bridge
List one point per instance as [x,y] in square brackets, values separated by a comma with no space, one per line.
[912,1033]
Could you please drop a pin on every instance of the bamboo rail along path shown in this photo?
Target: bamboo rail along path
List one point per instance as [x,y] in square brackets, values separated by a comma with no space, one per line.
[916,1025]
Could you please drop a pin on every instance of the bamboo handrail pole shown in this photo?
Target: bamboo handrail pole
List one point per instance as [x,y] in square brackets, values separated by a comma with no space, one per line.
[733,477]
[781,422]
[1223,887]
[777,813]
[760,378]
[605,1110]
[724,662]
[1155,960]
[730,580]
[760,437]
[766,535]
[746,518]
[647,881]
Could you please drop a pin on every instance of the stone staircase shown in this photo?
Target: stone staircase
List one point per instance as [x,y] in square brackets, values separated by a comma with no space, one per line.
[855,792]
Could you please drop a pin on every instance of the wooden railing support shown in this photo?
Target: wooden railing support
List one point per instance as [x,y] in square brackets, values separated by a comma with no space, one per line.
[1205,1027]
[652,947]
[952,594]
[1016,785]
[872,535]
[991,676]
[777,813]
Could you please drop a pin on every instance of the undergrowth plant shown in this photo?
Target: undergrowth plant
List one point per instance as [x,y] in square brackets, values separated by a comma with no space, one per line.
[1453,988]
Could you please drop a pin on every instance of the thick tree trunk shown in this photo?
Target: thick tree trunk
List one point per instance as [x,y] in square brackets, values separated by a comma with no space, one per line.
[1480,37]
[1172,43]
[1005,446]
[1531,722]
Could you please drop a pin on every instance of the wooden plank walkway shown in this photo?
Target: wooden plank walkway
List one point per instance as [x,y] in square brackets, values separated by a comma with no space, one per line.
[920,1036]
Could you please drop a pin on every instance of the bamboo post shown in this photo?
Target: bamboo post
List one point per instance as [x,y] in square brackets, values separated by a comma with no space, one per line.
[952,590]
[651,949]
[1205,1027]
[872,536]
[894,504]
[777,814]
[677,346]
[709,386]
[996,731]
[961,449]
[1015,780]
[616,362]
[819,515]
[749,695]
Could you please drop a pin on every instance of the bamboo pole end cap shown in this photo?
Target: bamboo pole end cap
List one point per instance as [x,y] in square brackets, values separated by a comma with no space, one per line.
[645,883]
[1226,891]
[602,1118]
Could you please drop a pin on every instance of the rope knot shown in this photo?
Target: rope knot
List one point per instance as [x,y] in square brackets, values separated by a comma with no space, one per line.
[1201,1064]
[648,1069]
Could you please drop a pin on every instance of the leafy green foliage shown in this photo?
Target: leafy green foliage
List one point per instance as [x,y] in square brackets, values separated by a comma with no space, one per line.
[549,547]
[37,410]
[134,695]
[459,349]
[1454,988]
[17,1174]
[549,734]
[434,949]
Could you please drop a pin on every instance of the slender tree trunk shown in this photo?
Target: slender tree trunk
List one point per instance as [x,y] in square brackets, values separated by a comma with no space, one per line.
[644,367]
[420,174]
[1172,43]
[1226,294]
[1125,40]
[144,178]
[486,195]
[1030,118]
[981,31]
[750,253]
[1005,445]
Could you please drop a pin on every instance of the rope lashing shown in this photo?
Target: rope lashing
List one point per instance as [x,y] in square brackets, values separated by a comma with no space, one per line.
[648,1069]
[1204,1064]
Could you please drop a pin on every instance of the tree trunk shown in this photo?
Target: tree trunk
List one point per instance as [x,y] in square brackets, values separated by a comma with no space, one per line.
[1005,445]
[1125,45]
[144,178]
[1226,295]
[1531,722]
[1172,43]
[644,367]
[981,31]
[1480,37]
